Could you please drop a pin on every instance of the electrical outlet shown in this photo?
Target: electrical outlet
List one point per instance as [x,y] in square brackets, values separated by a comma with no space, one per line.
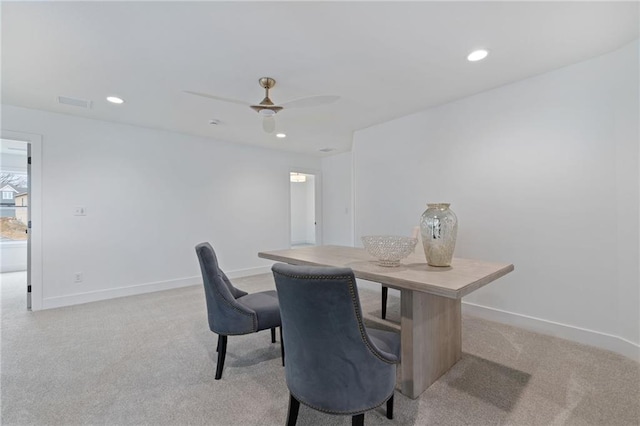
[77,277]
[80,211]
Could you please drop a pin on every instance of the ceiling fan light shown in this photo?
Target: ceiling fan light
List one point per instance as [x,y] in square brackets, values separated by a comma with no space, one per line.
[269,124]
[267,112]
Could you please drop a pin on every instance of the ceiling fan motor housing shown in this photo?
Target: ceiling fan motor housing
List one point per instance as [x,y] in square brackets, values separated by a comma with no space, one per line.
[266,110]
[267,82]
[266,107]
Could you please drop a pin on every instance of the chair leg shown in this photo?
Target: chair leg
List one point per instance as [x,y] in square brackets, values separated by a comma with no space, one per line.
[222,351]
[292,415]
[357,420]
[385,292]
[281,346]
[273,335]
[218,346]
[390,408]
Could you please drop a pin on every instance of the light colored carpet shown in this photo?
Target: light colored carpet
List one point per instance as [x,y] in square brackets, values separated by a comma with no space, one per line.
[150,360]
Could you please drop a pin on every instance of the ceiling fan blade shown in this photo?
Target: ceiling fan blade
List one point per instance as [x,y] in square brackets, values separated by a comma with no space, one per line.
[217,98]
[269,124]
[310,101]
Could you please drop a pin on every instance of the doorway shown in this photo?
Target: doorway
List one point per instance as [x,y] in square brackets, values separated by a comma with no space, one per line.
[19,193]
[305,208]
[14,210]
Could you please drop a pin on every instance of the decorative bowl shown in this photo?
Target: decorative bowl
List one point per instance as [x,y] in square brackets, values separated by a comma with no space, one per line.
[389,249]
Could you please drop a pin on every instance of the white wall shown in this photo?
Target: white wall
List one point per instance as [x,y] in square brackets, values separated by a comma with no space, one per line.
[150,197]
[13,256]
[337,199]
[542,173]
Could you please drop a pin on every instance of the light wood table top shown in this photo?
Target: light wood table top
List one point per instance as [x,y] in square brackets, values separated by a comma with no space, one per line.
[455,281]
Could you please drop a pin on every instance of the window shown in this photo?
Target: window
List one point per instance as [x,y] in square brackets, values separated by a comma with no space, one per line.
[13,182]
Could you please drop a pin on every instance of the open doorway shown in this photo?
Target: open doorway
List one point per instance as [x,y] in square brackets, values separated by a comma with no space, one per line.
[21,154]
[14,214]
[305,208]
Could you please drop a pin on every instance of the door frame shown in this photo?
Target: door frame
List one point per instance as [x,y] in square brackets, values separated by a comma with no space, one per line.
[318,200]
[34,246]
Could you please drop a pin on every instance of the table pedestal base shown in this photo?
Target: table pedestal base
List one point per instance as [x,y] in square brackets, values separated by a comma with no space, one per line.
[431,333]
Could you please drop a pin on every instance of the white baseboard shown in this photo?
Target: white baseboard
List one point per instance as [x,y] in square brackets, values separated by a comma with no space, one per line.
[584,336]
[576,334]
[239,273]
[580,335]
[112,293]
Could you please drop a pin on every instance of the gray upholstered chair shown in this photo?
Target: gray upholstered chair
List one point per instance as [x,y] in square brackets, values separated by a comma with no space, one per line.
[334,364]
[232,311]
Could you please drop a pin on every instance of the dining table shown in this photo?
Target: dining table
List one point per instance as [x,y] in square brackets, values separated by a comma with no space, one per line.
[430,303]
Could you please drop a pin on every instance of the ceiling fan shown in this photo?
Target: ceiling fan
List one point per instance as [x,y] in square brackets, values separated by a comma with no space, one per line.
[266,108]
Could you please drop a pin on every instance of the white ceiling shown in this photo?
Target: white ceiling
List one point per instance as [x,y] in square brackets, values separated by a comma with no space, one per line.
[384,59]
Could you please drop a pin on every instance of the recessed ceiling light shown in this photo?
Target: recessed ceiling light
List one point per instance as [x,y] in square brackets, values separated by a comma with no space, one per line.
[477,55]
[280,135]
[115,100]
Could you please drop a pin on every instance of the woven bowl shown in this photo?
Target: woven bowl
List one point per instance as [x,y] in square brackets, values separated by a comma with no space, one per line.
[389,249]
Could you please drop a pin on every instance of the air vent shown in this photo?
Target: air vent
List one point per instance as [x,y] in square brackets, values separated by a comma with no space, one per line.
[81,103]
[327,149]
